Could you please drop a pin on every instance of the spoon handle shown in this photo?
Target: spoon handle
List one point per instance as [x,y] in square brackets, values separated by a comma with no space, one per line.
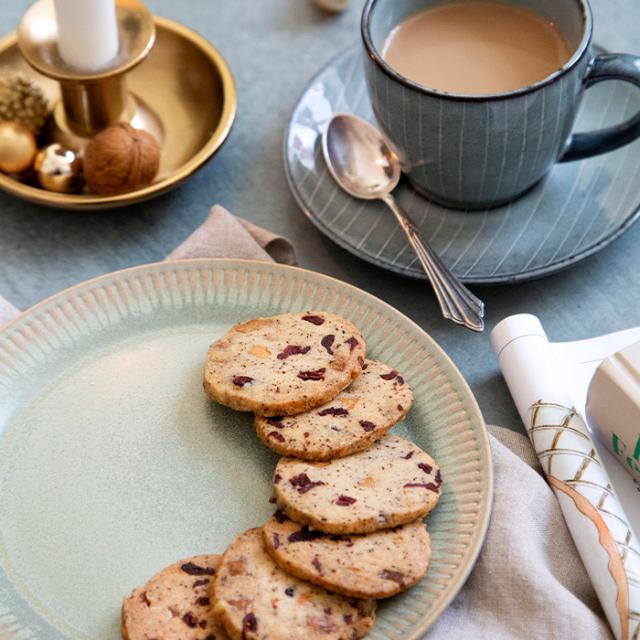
[456,301]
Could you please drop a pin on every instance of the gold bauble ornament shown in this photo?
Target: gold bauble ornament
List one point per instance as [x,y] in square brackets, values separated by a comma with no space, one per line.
[333,5]
[17,147]
[58,168]
[22,100]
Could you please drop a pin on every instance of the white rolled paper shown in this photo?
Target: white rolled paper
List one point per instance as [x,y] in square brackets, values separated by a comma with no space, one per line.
[87,32]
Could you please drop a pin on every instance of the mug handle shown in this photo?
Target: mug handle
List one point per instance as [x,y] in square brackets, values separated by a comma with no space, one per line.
[609,66]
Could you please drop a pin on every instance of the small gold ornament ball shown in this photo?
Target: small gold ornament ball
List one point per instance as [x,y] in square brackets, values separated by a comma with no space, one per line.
[333,5]
[17,147]
[58,169]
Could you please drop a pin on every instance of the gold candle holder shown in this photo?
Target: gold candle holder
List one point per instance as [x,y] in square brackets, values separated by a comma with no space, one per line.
[166,79]
[90,100]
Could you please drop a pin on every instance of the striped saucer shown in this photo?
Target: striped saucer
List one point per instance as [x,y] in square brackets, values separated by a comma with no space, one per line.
[578,209]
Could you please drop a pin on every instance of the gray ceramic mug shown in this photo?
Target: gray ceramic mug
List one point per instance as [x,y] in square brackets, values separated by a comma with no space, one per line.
[480,151]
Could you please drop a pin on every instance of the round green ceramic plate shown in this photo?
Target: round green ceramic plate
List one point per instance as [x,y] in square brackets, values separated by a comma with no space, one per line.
[113,463]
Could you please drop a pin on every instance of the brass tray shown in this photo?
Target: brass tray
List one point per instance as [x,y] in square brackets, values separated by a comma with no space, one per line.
[189,87]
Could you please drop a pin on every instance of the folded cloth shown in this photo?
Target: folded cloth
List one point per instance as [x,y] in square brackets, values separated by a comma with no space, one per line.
[7,311]
[223,235]
[529,581]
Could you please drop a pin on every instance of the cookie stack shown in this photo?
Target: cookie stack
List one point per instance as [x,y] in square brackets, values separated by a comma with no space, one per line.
[350,497]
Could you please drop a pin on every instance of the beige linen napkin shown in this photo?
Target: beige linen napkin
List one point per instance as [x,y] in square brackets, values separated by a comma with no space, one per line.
[529,581]
[7,311]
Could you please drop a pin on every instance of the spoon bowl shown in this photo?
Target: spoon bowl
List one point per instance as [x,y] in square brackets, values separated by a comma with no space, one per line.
[359,159]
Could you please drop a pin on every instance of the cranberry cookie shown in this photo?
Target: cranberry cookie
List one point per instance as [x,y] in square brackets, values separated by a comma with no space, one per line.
[375,565]
[174,604]
[284,364]
[391,483]
[350,422]
[255,600]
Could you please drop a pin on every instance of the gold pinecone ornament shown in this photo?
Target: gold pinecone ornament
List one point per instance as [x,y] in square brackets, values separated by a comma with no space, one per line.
[22,101]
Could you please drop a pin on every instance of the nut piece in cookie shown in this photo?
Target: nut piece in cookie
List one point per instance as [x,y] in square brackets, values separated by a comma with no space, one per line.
[348,423]
[284,364]
[375,565]
[393,482]
[175,604]
[255,600]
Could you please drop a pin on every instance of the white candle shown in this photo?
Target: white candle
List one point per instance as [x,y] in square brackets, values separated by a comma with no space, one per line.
[87,32]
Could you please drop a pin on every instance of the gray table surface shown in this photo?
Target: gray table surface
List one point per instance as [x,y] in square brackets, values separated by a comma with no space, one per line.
[273,48]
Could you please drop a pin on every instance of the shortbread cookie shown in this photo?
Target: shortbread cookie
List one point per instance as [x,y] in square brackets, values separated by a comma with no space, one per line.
[255,600]
[375,565]
[352,421]
[174,604]
[391,483]
[285,364]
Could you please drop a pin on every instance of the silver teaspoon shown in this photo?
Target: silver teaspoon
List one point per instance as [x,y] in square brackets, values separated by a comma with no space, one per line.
[363,164]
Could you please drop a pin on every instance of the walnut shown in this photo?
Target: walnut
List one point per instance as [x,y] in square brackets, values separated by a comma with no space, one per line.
[121,159]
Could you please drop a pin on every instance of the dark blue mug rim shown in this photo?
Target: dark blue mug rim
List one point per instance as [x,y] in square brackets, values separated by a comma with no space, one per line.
[374,54]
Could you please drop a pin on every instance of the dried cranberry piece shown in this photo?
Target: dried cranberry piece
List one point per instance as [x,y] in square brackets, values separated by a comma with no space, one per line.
[318,374]
[195,570]
[316,564]
[303,483]
[352,342]
[276,421]
[400,407]
[203,602]
[279,516]
[292,350]
[289,591]
[272,500]
[348,618]
[249,623]
[304,535]
[200,583]
[317,320]
[334,411]
[367,425]
[395,576]
[276,478]
[345,501]
[389,376]
[190,620]
[438,478]
[409,455]
[327,342]
[427,468]
[240,381]
[276,436]
[424,485]
[276,540]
